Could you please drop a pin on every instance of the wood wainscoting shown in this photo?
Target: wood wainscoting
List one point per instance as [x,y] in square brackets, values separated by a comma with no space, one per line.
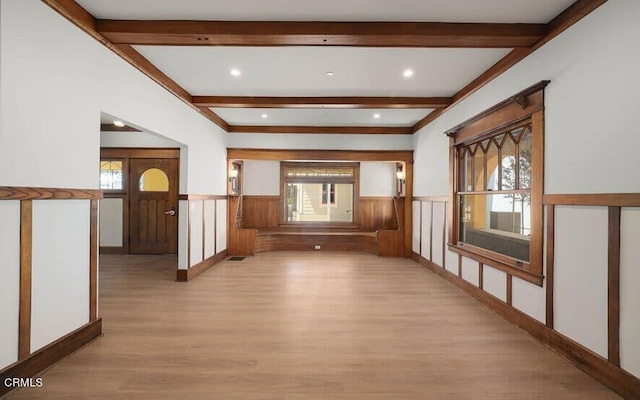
[255,227]
[606,369]
[29,363]
[211,226]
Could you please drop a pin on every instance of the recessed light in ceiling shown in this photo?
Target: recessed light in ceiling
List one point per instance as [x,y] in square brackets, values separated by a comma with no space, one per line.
[264,116]
[408,73]
[376,116]
[118,123]
[330,73]
[235,72]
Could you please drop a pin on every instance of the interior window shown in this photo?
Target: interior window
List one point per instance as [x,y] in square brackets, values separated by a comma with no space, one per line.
[499,221]
[320,193]
[111,175]
[497,162]
[154,180]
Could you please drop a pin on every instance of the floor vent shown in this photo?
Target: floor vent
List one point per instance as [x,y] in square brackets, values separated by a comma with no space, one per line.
[236,258]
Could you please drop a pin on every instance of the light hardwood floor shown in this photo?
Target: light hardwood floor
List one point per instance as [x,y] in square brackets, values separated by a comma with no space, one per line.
[303,326]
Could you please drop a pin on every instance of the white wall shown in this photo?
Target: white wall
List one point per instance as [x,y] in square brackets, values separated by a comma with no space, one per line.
[320,141]
[44,53]
[111,222]
[135,139]
[79,79]
[377,179]
[595,59]
[587,144]
[10,282]
[261,178]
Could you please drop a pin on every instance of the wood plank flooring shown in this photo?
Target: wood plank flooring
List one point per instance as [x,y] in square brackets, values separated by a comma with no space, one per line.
[303,326]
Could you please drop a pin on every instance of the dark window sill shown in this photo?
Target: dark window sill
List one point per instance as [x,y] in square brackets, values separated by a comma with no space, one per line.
[523,272]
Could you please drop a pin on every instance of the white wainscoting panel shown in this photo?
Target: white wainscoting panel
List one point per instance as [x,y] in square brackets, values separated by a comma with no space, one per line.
[195,213]
[209,228]
[9,280]
[183,218]
[426,230]
[470,271]
[111,222]
[60,275]
[221,222]
[580,268]
[529,298]
[438,226]
[451,261]
[416,228]
[630,290]
[494,282]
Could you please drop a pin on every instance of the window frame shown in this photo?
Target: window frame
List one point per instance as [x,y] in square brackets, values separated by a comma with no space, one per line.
[124,174]
[525,107]
[354,180]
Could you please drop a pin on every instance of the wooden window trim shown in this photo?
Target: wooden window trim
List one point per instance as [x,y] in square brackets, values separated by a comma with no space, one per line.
[354,180]
[116,192]
[527,105]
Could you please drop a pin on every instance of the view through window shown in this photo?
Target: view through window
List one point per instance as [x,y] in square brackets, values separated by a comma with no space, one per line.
[319,193]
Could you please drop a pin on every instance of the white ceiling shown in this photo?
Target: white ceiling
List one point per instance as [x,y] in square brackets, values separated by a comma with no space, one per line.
[322,117]
[301,71]
[502,11]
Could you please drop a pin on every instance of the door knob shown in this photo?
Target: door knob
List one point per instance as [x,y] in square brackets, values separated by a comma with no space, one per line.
[171,212]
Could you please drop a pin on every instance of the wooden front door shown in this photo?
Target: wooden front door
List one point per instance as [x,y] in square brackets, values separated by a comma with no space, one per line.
[153,206]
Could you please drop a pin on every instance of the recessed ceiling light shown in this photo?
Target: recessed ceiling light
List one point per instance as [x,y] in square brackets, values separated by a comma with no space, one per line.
[264,116]
[118,123]
[329,73]
[376,116]
[235,72]
[408,73]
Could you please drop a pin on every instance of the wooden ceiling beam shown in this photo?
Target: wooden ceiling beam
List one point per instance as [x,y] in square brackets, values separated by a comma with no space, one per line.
[567,18]
[321,102]
[351,130]
[288,33]
[314,155]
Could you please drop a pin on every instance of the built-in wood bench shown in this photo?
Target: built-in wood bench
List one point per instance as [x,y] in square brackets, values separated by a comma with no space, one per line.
[380,231]
[274,239]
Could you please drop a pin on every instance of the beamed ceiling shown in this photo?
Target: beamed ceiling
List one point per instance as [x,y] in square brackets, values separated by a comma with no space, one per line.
[336,66]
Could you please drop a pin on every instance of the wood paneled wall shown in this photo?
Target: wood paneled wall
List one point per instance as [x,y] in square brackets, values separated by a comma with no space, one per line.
[391,239]
[31,363]
[605,369]
[260,211]
[264,212]
[240,240]
[378,213]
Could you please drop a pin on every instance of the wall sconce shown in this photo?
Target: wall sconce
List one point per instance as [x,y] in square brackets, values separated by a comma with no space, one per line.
[400,175]
[234,179]
[400,179]
[233,173]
